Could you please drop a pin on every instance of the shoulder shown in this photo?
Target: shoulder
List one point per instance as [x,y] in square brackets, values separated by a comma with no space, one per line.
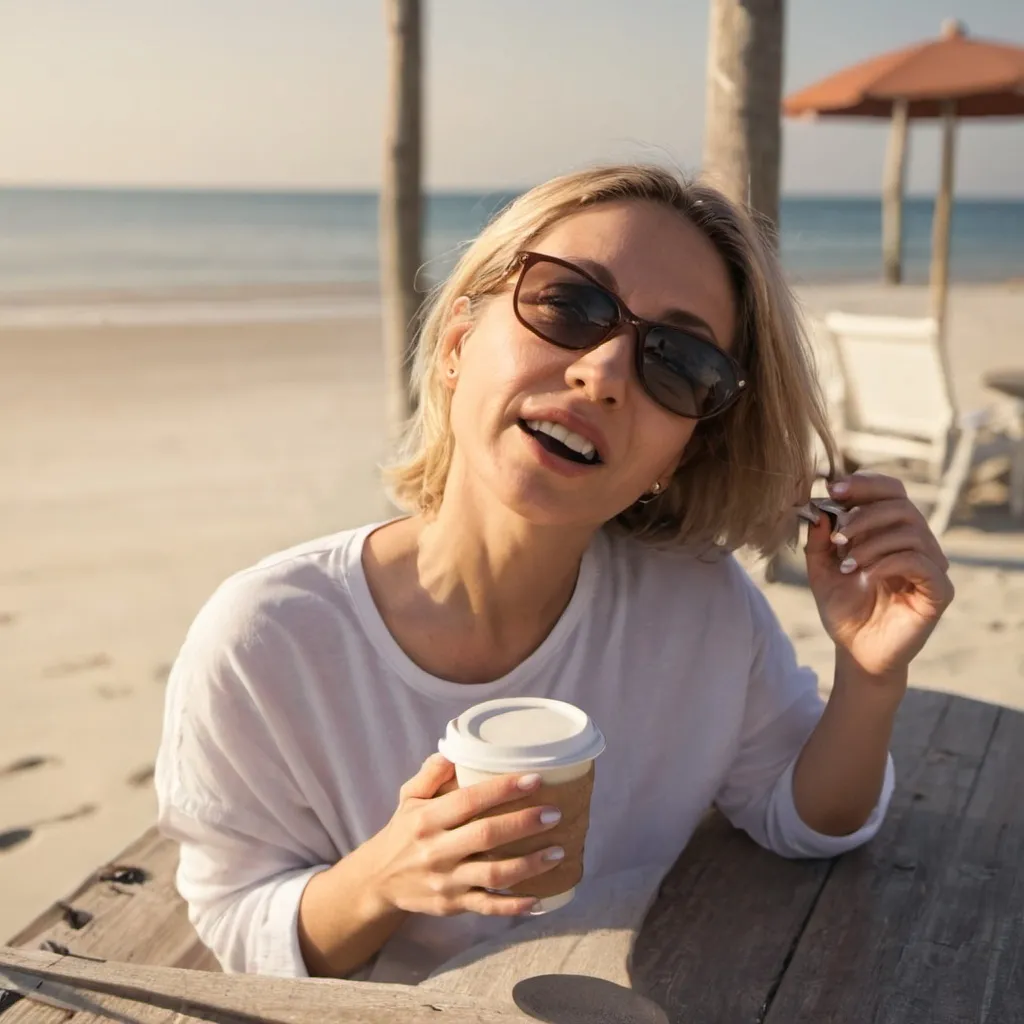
[659,576]
[282,599]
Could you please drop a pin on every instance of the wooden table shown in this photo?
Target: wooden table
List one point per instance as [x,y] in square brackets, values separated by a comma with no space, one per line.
[924,924]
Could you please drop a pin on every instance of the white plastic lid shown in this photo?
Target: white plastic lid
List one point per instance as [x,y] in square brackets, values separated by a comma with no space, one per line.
[513,734]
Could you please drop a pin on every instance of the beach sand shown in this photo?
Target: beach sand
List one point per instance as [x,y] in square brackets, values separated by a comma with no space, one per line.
[142,465]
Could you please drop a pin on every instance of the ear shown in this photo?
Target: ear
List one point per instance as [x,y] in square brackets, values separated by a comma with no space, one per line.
[452,338]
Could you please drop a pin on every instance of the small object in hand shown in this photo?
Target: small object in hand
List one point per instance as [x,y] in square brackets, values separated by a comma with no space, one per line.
[812,511]
[124,875]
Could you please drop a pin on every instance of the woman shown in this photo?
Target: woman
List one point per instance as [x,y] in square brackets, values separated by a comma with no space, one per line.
[613,393]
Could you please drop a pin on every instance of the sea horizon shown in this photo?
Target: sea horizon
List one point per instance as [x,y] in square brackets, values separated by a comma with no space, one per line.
[93,242]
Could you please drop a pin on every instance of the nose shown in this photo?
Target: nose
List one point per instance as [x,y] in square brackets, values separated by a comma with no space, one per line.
[602,373]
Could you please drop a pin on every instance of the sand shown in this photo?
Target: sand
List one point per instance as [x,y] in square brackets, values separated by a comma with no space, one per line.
[143,464]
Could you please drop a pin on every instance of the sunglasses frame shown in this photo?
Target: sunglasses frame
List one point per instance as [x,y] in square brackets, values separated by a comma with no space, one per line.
[526,259]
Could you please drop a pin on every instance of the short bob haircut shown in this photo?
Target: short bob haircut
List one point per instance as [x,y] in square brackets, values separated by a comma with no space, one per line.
[742,470]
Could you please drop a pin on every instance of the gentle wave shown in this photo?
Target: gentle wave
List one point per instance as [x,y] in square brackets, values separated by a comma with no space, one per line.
[147,314]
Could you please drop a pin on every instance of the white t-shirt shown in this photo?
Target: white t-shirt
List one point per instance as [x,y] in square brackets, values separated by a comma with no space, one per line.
[293,717]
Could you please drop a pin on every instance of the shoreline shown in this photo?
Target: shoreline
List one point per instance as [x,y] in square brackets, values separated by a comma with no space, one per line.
[294,303]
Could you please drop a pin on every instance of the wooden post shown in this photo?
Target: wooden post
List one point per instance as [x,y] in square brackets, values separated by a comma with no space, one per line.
[943,218]
[892,194]
[743,130]
[401,203]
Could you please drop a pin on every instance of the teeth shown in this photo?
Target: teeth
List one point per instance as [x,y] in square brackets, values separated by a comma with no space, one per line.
[567,437]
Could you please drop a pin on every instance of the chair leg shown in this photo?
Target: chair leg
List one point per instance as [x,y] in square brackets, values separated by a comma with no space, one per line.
[1017,480]
[953,481]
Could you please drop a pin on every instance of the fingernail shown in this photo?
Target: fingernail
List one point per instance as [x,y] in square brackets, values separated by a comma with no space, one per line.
[839,487]
[550,816]
[847,565]
[553,854]
[529,781]
[839,538]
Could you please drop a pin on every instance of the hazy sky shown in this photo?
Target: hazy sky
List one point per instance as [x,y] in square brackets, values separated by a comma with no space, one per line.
[290,92]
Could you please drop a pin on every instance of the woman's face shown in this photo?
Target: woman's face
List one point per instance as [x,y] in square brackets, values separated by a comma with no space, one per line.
[506,378]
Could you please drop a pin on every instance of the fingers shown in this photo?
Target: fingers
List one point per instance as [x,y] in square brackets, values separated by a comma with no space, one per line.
[491,905]
[498,830]
[429,780]
[864,486]
[866,553]
[864,521]
[503,874]
[457,807]
[926,577]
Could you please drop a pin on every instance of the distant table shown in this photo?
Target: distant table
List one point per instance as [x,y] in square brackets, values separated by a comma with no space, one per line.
[1009,382]
[923,925]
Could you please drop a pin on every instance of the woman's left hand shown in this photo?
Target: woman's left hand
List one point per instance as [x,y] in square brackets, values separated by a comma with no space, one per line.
[882,592]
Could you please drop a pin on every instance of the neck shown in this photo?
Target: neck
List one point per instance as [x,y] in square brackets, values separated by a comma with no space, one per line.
[471,592]
[499,574]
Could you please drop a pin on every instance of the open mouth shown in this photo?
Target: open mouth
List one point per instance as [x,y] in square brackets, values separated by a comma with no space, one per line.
[557,440]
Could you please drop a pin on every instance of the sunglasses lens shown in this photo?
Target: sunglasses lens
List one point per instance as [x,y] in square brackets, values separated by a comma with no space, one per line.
[563,307]
[686,374]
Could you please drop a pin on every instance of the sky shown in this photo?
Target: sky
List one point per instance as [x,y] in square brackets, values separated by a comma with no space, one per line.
[291,93]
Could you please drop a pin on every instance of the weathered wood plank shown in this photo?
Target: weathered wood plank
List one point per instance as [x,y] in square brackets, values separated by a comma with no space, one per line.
[849,965]
[729,914]
[141,923]
[45,997]
[230,998]
[593,936]
[965,962]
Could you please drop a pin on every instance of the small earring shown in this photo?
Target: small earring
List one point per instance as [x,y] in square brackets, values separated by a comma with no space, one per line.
[646,499]
[452,371]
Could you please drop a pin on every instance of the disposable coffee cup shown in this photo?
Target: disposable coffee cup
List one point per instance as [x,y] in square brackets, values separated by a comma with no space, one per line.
[558,741]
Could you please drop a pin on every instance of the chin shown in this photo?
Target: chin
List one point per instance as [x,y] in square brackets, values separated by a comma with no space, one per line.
[539,504]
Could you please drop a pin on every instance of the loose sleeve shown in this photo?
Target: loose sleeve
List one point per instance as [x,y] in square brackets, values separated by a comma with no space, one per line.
[782,708]
[227,792]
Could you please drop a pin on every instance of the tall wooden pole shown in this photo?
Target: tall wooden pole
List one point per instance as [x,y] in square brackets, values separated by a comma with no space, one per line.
[401,202]
[743,130]
[892,194]
[942,222]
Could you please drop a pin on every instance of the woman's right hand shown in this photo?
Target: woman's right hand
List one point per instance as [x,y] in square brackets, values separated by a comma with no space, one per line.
[428,857]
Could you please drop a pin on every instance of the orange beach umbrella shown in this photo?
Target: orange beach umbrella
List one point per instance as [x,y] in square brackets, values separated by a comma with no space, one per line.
[951,77]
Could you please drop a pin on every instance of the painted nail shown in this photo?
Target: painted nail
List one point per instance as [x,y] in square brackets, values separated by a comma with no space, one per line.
[529,781]
[839,487]
[847,565]
[553,854]
[840,538]
[550,816]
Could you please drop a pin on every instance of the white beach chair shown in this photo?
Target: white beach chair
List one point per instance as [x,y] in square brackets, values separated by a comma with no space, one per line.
[832,384]
[898,406]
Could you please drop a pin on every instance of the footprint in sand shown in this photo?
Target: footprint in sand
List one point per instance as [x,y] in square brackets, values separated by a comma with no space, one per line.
[113,692]
[27,764]
[14,837]
[7,618]
[142,777]
[70,668]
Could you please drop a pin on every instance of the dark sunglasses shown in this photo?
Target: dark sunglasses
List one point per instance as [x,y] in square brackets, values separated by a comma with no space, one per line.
[682,372]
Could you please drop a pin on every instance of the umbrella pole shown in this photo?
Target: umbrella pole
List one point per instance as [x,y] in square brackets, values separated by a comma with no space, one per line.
[943,218]
[892,194]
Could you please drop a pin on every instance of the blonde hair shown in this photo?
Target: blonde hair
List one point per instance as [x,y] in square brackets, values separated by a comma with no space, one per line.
[742,469]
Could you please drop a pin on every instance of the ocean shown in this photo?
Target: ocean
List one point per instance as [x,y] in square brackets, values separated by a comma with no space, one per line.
[61,242]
